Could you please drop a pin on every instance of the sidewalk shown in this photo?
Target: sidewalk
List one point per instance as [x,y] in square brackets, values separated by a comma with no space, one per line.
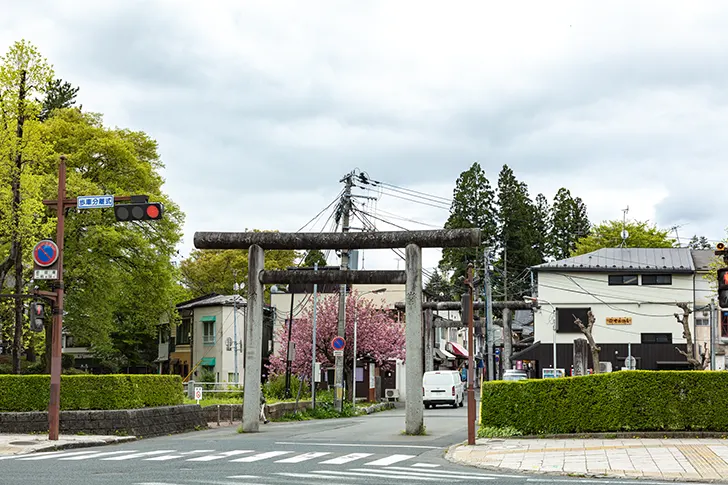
[14,444]
[664,459]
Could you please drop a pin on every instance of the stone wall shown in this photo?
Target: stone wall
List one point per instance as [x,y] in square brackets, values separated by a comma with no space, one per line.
[141,422]
[271,411]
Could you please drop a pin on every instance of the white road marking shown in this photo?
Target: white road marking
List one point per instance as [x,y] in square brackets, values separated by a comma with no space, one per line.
[220,456]
[390,460]
[425,465]
[244,476]
[179,455]
[424,473]
[448,473]
[315,475]
[382,474]
[156,483]
[47,456]
[345,459]
[260,456]
[304,457]
[136,455]
[356,445]
[586,480]
[95,455]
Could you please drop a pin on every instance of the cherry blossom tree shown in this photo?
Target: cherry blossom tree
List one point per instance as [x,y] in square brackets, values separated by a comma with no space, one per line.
[379,336]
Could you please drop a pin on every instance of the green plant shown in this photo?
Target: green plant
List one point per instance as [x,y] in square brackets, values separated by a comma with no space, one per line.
[493,432]
[615,402]
[208,378]
[275,388]
[67,361]
[86,391]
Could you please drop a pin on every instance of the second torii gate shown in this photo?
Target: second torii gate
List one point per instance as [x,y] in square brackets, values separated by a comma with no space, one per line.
[412,241]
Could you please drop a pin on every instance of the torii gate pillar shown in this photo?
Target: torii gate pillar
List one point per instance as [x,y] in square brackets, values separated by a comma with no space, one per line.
[414,413]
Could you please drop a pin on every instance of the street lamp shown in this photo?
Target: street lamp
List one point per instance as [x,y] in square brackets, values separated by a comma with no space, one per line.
[353,366]
[553,315]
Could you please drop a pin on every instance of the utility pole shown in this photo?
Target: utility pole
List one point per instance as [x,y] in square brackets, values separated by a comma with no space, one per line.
[341,327]
[471,366]
[488,315]
[289,350]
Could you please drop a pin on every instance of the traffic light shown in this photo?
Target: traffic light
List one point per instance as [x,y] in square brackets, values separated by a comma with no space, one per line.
[37,313]
[723,287]
[139,212]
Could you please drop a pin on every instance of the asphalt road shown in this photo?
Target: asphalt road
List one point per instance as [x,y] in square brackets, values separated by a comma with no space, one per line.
[365,450]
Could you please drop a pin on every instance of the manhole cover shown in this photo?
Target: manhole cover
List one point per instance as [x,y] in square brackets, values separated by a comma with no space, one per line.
[23,443]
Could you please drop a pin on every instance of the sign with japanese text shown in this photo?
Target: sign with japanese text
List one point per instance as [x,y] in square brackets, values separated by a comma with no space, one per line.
[619,320]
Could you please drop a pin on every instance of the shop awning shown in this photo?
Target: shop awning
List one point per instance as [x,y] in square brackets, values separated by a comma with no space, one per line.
[443,355]
[209,318]
[457,349]
[208,361]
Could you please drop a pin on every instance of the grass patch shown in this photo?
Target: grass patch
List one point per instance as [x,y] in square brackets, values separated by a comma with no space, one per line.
[324,410]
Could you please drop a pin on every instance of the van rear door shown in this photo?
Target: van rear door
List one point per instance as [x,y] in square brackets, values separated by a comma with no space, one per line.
[438,385]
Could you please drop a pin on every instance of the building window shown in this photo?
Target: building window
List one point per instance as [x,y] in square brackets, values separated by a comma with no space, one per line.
[208,333]
[657,279]
[622,279]
[656,338]
[565,319]
[183,332]
[702,322]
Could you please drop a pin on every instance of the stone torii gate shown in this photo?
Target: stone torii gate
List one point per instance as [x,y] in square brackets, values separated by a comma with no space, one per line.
[413,241]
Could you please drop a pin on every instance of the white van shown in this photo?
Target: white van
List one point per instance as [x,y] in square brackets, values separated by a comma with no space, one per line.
[442,387]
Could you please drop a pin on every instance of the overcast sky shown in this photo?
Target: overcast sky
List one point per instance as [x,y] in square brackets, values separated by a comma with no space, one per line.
[261,107]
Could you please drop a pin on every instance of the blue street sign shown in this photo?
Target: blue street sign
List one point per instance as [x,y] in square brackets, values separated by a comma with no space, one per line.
[94,201]
[338,343]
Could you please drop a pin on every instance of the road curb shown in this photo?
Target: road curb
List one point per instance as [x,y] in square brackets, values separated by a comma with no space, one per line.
[450,456]
[81,444]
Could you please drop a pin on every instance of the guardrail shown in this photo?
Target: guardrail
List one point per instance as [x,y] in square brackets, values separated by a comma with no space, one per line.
[211,388]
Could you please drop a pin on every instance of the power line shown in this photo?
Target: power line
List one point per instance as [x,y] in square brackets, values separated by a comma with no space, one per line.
[365,179]
[436,206]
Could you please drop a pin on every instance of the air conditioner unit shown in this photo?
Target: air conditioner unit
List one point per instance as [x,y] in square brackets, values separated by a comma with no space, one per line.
[391,394]
[605,367]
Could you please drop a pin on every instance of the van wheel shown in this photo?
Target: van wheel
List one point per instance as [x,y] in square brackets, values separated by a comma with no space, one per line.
[427,406]
[455,404]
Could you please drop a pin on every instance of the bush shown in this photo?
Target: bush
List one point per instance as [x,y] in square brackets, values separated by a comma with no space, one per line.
[275,388]
[619,401]
[31,392]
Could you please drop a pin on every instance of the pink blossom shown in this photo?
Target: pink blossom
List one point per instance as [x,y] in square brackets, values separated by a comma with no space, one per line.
[378,335]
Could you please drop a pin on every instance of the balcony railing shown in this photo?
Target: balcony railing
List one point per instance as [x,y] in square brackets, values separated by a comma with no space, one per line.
[208,339]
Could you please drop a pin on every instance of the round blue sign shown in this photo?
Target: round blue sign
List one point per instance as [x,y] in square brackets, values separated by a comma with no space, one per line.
[338,343]
[45,253]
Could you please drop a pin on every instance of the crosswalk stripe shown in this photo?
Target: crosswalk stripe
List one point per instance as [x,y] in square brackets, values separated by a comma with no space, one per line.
[48,456]
[449,473]
[381,474]
[260,456]
[390,460]
[220,456]
[179,455]
[95,455]
[424,473]
[313,475]
[425,465]
[345,459]
[304,457]
[136,455]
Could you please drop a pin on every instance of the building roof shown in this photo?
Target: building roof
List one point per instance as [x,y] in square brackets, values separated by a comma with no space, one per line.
[213,299]
[647,260]
[702,258]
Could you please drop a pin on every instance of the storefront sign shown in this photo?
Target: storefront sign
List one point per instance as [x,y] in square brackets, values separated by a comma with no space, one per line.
[619,320]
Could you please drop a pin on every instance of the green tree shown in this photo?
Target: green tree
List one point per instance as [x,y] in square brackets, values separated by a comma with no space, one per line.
[699,243]
[608,234]
[542,226]
[58,95]
[215,271]
[24,75]
[119,277]
[313,257]
[570,223]
[518,240]
[472,207]
[438,288]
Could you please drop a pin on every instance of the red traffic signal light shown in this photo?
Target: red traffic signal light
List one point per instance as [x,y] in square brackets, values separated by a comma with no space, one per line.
[139,212]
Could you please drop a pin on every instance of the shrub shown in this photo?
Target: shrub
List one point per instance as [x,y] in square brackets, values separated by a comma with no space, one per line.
[31,392]
[619,401]
[275,388]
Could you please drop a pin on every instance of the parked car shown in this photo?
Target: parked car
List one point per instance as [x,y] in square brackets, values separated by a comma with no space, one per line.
[515,375]
[442,387]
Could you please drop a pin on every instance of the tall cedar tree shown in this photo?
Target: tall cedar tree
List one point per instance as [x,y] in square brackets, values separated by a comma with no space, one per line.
[438,288]
[517,239]
[59,95]
[699,243]
[542,227]
[313,257]
[473,206]
[569,224]
[24,75]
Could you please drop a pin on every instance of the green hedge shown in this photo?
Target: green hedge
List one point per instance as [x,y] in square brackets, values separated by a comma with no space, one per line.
[619,401]
[31,392]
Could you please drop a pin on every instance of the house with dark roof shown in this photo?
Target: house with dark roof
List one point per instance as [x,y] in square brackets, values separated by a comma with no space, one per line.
[633,294]
[210,328]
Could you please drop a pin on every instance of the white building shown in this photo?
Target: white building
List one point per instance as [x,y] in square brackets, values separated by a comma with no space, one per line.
[633,295]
